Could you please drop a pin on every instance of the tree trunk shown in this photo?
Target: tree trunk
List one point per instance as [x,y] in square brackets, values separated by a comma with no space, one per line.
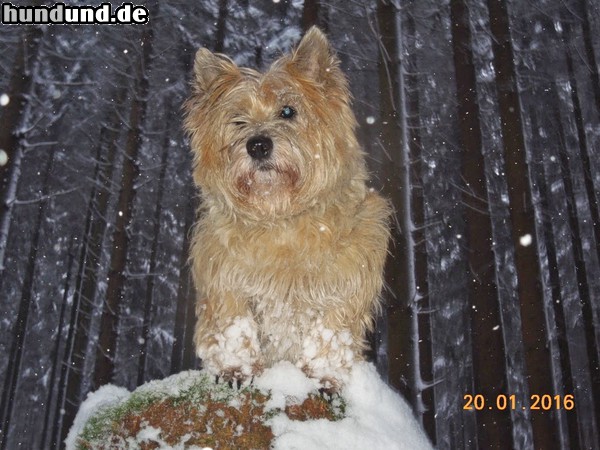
[71,387]
[522,222]
[585,150]
[20,327]
[488,347]
[10,134]
[399,275]
[576,301]
[56,361]
[18,87]
[422,314]
[591,313]
[148,313]
[221,31]
[109,322]
[566,428]
[590,54]
[183,332]
[310,14]
[183,355]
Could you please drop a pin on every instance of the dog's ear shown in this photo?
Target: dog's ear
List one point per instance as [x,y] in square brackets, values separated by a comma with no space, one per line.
[315,59]
[209,66]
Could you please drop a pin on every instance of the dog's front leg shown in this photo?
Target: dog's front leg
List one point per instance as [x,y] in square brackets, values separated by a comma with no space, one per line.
[226,338]
[328,352]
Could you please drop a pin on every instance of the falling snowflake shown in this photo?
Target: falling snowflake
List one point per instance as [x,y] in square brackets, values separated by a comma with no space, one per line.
[526,240]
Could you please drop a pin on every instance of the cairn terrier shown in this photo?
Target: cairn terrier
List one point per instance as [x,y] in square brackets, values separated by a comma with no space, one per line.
[288,253]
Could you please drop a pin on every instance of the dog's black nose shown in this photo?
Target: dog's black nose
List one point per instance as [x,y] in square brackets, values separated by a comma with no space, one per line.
[259,147]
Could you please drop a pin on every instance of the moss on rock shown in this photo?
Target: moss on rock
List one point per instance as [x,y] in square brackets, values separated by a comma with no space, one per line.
[192,410]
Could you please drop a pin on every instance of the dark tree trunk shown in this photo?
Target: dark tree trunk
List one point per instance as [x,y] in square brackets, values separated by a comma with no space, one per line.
[19,86]
[10,135]
[581,338]
[590,54]
[56,360]
[148,310]
[19,332]
[183,353]
[488,347]
[585,150]
[109,323]
[310,14]
[221,31]
[567,423]
[421,313]
[522,222]
[590,315]
[398,275]
[76,348]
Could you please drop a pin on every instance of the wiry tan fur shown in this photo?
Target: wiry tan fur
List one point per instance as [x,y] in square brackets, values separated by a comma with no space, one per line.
[291,252]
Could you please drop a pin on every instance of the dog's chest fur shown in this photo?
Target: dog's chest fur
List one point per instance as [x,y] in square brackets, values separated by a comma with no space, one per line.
[285,272]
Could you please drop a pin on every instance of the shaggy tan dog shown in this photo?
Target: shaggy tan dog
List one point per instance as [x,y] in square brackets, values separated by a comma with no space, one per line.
[289,249]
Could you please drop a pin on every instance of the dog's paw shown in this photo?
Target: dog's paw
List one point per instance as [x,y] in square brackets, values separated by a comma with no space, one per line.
[331,384]
[237,377]
[233,353]
[329,394]
[327,356]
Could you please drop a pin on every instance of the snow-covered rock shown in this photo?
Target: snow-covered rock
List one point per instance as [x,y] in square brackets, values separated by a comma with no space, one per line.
[368,413]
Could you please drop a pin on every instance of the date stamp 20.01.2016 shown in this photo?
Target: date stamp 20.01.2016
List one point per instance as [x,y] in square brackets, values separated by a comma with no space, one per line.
[501,402]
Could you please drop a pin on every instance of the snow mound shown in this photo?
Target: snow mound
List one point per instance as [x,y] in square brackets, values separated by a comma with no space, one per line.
[376,418]
[104,397]
[284,381]
[371,414]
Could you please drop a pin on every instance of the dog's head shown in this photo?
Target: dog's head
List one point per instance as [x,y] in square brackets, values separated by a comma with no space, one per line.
[275,144]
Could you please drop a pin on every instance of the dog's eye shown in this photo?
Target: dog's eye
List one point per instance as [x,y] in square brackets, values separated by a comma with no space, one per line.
[287,112]
[239,123]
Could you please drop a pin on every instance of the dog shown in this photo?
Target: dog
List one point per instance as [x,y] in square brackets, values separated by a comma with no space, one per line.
[288,252]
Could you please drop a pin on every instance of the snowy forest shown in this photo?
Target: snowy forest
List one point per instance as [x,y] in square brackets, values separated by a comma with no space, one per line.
[481,122]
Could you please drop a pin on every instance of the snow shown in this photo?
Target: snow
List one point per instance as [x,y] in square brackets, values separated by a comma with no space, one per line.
[4,99]
[376,417]
[526,240]
[171,386]
[334,363]
[283,381]
[105,396]
[236,346]
[284,40]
